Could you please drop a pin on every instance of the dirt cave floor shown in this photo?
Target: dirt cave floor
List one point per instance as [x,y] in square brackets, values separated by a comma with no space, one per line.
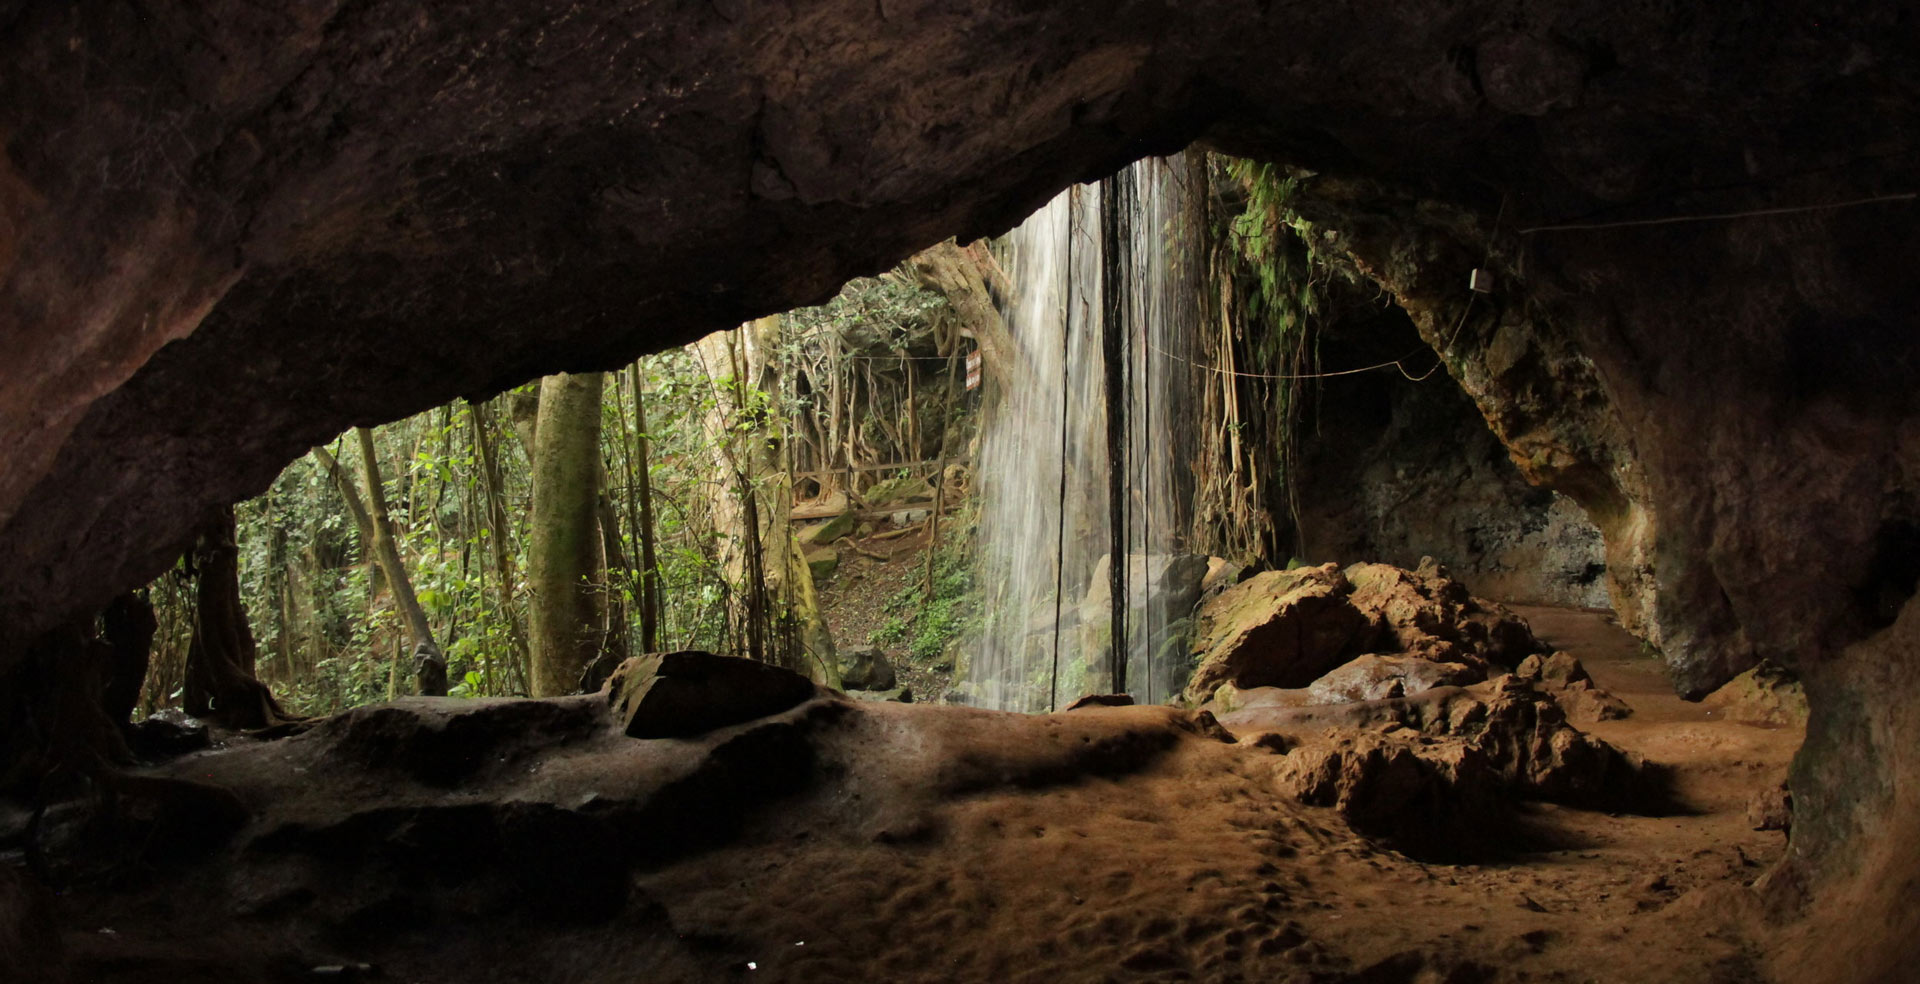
[890,842]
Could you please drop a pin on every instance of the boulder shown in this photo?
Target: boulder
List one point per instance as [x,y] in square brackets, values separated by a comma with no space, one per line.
[1425,612]
[1766,695]
[687,693]
[1425,770]
[1275,629]
[1171,581]
[1562,675]
[821,562]
[1374,677]
[827,532]
[866,669]
[1289,628]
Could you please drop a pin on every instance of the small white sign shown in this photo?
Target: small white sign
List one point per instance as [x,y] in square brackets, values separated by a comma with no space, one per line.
[973,370]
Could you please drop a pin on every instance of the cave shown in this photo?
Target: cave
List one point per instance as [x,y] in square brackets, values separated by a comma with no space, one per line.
[1660,252]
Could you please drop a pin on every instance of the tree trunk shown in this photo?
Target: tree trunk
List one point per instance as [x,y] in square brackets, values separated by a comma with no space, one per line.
[220,683]
[565,569]
[763,561]
[968,278]
[497,539]
[376,529]
[649,562]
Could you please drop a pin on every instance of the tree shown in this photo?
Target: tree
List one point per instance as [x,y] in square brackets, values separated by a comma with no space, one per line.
[220,684]
[779,607]
[565,566]
[376,529]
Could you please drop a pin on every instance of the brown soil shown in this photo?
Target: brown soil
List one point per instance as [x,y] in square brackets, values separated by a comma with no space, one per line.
[854,601]
[952,844]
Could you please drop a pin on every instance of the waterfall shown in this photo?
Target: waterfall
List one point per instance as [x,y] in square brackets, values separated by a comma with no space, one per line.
[1111,266]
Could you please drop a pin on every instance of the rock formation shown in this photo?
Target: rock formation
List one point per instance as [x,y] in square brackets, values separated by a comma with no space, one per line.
[228,230]
[1289,629]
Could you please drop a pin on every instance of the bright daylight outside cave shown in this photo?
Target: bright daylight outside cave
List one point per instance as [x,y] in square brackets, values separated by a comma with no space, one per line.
[904,491]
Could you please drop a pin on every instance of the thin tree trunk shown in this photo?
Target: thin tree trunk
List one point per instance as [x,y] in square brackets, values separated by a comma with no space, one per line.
[649,561]
[565,568]
[497,540]
[377,529]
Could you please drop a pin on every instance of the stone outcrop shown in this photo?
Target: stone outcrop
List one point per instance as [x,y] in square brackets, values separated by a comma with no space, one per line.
[1276,629]
[688,693]
[1438,771]
[1562,675]
[1288,629]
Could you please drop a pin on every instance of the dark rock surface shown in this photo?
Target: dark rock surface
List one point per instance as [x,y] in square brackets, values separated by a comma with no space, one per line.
[1395,466]
[688,693]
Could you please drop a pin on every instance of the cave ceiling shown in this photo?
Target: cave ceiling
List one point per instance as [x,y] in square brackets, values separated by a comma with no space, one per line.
[230,230]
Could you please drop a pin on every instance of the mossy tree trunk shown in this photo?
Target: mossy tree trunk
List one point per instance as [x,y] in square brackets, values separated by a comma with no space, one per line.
[565,567]
[778,604]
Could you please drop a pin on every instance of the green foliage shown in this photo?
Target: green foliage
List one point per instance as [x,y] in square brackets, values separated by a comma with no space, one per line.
[928,624]
[870,315]
[328,633]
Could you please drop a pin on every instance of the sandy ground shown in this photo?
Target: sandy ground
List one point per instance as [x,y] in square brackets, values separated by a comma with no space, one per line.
[1196,871]
[953,844]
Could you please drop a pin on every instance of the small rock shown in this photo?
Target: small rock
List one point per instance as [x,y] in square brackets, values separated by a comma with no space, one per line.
[1771,809]
[1376,677]
[866,669]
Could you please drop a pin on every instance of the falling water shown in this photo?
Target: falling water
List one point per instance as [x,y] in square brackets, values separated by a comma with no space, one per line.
[1118,251]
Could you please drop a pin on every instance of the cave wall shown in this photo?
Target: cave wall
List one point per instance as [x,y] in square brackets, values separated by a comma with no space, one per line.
[229,230]
[1397,464]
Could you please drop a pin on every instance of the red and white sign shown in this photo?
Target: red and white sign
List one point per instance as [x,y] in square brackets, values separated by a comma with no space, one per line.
[973,370]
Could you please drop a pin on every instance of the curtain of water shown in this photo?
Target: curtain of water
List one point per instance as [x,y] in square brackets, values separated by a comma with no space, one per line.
[1046,515]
